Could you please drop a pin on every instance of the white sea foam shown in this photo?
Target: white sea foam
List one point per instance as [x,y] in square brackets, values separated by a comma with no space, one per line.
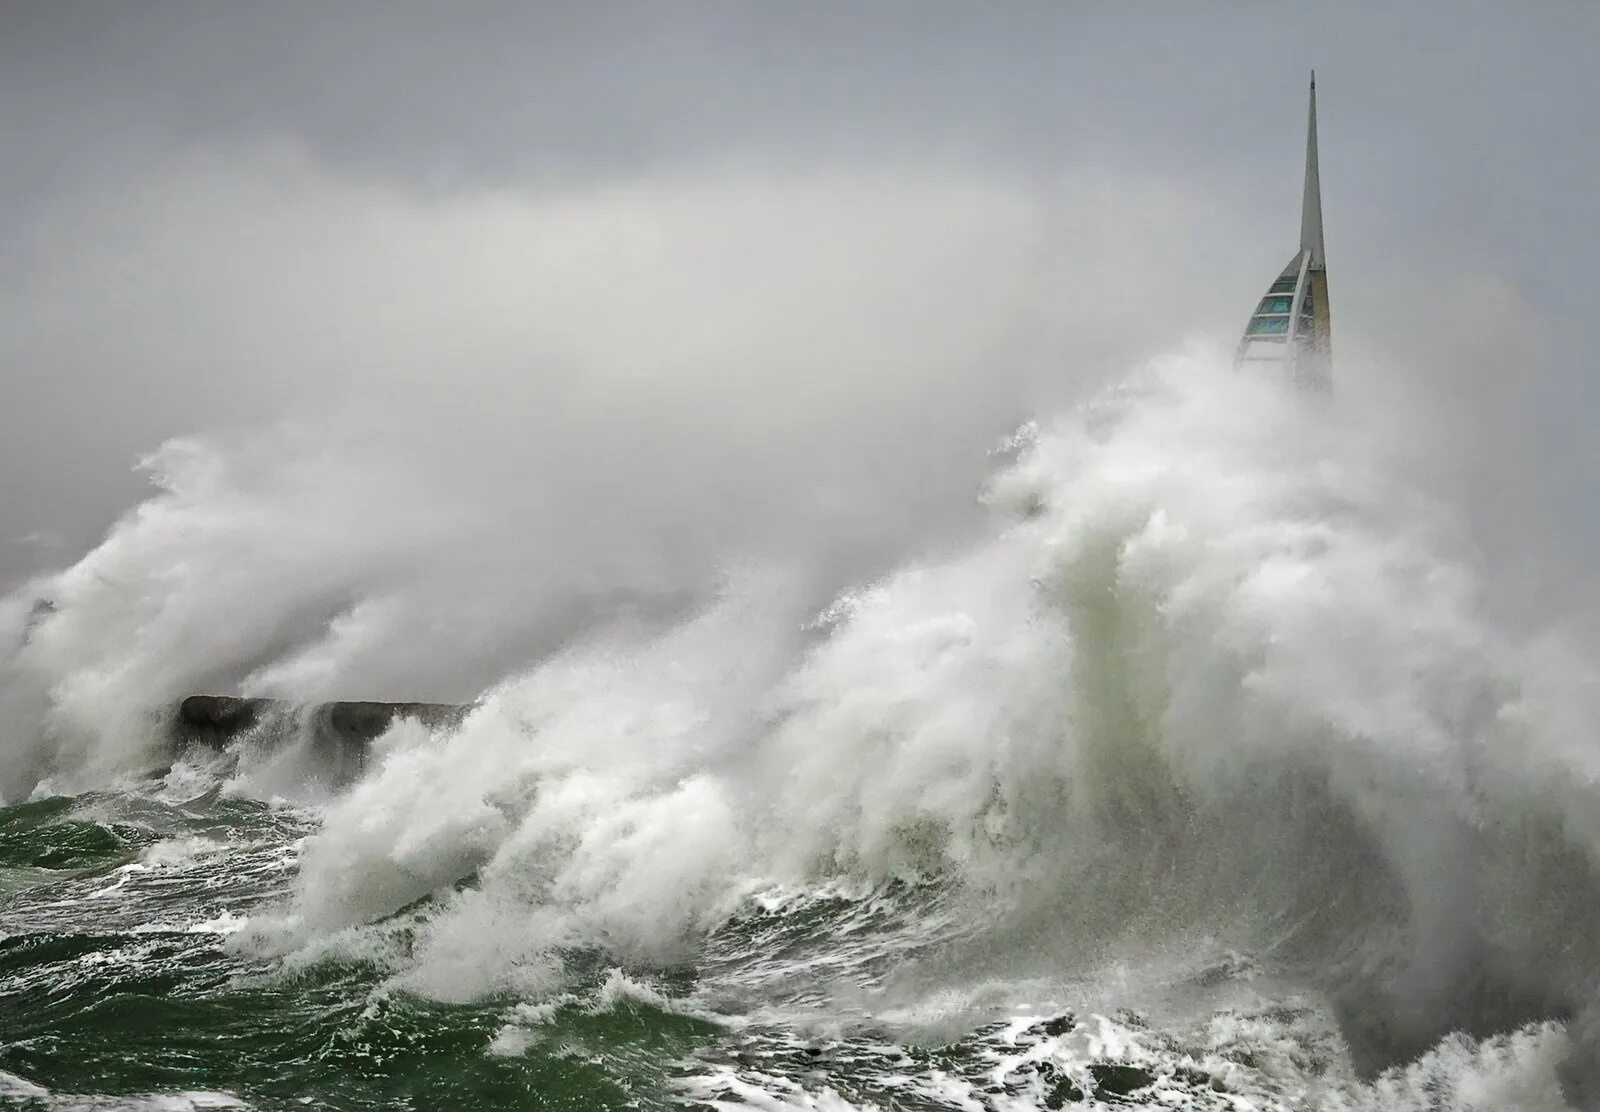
[1217,669]
[13,1087]
[1514,1071]
[728,1092]
[1213,672]
[38,1097]
[171,852]
[1213,604]
[1236,1063]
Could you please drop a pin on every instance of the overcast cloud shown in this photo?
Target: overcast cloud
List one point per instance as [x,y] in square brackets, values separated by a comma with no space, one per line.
[813,255]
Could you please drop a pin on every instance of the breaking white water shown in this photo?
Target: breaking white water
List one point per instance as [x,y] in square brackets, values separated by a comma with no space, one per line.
[1203,760]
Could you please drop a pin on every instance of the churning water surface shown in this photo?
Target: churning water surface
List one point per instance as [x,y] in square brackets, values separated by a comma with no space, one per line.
[1201,779]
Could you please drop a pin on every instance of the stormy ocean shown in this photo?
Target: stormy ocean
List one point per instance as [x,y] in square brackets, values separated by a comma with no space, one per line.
[1200,775]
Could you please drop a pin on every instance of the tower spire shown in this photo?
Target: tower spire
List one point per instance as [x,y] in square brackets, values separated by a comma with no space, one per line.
[1311,207]
[1290,326]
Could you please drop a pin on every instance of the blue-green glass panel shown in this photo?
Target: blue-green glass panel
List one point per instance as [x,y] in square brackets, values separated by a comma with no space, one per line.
[1268,326]
[1274,305]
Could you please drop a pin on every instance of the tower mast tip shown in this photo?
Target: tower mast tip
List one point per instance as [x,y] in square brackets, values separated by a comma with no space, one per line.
[1291,326]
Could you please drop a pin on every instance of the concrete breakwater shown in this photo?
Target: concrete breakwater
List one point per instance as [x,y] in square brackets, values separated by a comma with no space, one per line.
[339,733]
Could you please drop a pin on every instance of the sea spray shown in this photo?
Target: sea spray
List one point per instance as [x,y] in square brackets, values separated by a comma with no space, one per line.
[1217,681]
[1213,673]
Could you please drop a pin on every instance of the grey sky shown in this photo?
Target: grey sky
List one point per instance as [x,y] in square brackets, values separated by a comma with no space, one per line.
[198,200]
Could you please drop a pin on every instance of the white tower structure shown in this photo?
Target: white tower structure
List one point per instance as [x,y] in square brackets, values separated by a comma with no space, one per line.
[1290,328]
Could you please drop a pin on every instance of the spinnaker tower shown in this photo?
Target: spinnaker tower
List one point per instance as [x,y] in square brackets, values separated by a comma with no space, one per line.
[1290,328]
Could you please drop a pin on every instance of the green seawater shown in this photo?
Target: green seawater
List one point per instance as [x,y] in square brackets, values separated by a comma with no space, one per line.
[116,980]
[123,984]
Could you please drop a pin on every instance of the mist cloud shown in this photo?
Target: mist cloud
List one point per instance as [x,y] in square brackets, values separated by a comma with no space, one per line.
[460,337]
